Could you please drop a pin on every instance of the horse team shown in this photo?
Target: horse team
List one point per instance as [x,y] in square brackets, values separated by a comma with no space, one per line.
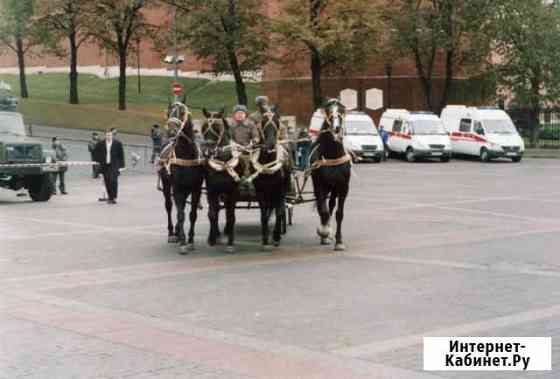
[258,169]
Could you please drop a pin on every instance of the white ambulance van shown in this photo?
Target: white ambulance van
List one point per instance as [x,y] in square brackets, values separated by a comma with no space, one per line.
[416,135]
[360,135]
[487,133]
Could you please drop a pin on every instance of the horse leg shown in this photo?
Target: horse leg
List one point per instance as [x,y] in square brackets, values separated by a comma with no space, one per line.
[263,207]
[171,235]
[332,205]
[339,245]
[195,201]
[181,202]
[213,209]
[230,222]
[323,231]
[280,213]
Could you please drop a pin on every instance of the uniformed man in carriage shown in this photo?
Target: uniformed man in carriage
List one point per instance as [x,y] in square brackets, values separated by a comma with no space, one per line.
[243,130]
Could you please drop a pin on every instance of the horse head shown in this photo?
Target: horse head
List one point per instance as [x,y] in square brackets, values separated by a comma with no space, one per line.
[334,112]
[270,127]
[215,129]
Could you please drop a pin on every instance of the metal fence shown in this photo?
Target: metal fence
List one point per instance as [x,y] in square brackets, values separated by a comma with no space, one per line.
[548,135]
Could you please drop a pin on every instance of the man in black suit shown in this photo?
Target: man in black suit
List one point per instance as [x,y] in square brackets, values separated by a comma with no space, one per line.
[110,156]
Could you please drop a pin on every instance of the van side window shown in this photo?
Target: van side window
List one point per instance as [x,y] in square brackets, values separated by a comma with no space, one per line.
[478,129]
[465,125]
[397,126]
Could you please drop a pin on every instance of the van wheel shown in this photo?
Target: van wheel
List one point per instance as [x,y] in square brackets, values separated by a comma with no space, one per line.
[516,159]
[410,155]
[484,155]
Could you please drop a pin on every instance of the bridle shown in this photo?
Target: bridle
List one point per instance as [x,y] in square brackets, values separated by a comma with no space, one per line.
[334,120]
[269,115]
[213,121]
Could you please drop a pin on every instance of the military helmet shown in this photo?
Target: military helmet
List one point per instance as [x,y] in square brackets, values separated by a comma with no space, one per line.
[240,108]
[261,100]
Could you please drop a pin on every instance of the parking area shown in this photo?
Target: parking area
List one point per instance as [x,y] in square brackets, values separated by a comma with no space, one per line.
[89,290]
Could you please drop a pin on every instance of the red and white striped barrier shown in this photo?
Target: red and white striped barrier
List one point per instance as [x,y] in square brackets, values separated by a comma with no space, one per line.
[50,165]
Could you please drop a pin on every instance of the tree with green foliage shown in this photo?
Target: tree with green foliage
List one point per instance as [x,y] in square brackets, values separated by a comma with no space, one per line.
[528,50]
[20,33]
[337,36]
[455,33]
[117,24]
[66,20]
[232,35]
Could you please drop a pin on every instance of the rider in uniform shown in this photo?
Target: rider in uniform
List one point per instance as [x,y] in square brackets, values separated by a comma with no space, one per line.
[243,130]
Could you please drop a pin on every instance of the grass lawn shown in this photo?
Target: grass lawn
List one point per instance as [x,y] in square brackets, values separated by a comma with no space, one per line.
[48,102]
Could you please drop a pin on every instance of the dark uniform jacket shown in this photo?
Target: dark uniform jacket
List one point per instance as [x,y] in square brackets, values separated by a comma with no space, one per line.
[243,132]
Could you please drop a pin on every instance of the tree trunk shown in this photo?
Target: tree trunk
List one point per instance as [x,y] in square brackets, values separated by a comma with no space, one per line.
[448,81]
[122,79]
[239,83]
[427,88]
[24,93]
[74,99]
[534,125]
[316,78]
[535,110]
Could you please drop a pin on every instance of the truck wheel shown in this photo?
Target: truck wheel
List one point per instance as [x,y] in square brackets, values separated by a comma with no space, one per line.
[516,159]
[40,188]
[410,155]
[484,156]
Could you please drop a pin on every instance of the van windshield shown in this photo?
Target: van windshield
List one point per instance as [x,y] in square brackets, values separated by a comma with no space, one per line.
[360,128]
[504,126]
[425,127]
[11,125]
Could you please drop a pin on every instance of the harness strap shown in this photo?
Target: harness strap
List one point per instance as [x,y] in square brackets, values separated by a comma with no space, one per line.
[186,162]
[228,166]
[331,162]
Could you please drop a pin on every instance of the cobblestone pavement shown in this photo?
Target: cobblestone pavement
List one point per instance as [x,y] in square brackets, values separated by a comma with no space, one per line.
[89,290]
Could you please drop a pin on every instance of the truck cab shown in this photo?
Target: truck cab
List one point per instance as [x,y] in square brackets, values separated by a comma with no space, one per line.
[23,163]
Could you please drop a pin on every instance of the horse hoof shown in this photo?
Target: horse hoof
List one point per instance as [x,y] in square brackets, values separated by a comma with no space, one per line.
[325,241]
[323,231]
[172,239]
[266,248]
[190,247]
[276,243]
[230,249]
[340,247]
[183,250]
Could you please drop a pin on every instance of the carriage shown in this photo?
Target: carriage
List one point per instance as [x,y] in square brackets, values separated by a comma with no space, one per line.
[249,176]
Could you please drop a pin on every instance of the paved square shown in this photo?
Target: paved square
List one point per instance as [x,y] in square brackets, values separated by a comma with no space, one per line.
[464,248]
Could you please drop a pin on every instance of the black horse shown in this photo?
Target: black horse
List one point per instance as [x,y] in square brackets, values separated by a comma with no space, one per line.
[272,175]
[331,168]
[181,174]
[222,175]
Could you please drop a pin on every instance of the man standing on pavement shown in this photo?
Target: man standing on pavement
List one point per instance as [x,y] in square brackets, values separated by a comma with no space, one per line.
[156,142]
[60,155]
[91,147]
[110,156]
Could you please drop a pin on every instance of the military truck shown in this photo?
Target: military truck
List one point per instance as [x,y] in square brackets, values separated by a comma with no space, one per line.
[23,162]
